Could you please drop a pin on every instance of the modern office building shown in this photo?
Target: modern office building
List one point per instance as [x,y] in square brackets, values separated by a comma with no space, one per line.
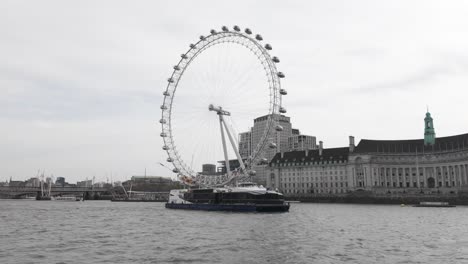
[150,179]
[301,142]
[60,181]
[280,138]
[245,144]
[208,169]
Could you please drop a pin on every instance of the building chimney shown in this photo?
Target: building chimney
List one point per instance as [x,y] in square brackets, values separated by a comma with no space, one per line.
[320,147]
[351,144]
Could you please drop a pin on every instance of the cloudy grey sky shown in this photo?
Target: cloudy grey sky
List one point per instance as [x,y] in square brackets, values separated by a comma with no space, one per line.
[81,81]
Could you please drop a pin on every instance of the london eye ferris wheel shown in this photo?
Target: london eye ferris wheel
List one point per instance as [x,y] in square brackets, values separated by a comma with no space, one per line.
[219,85]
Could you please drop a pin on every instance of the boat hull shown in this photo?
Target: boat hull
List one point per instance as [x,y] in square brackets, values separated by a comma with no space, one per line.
[432,205]
[231,207]
[138,200]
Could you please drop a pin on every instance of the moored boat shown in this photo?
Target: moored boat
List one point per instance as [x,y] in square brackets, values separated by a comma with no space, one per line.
[434,204]
[246,197]
[66,198]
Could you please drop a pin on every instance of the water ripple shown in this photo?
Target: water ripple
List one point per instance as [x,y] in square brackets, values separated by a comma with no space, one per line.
[105,232]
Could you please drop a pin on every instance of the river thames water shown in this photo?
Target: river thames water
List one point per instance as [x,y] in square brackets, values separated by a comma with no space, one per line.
[109,232]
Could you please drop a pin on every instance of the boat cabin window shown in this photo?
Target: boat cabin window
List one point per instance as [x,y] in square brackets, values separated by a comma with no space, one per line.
[247,184]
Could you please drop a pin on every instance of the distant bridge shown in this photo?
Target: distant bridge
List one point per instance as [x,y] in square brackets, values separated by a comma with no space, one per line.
[19,191]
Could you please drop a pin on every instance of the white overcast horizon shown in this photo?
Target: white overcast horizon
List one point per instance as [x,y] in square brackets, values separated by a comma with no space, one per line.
[81,82]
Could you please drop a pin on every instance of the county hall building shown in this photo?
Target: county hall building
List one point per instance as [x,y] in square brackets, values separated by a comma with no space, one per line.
[428,165]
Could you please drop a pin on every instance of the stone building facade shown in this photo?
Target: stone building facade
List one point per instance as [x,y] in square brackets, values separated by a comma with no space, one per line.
[320,171]
[425,165]
[403,164]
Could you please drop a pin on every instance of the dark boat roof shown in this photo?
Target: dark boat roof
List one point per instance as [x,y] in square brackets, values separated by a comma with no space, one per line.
[202,190]
[442,144]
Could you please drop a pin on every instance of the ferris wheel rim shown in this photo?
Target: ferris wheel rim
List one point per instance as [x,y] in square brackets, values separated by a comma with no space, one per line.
[215,38]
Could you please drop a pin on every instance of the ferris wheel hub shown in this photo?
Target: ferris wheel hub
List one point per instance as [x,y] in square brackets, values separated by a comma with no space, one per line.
[219,110]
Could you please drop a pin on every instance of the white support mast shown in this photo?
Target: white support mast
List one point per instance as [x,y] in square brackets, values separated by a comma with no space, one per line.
[233,144]
[219,110]
[226,158]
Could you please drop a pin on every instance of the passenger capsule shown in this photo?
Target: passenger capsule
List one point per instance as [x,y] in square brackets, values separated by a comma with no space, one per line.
[258,37]
[275,59]
[165,148]
[272,145]
[278,128]
[170,159]
[176,67]
[202,37]
[283,92]
[192,46]
[248,31]
[263,161]
[163,134]
[252,173]
[166,93]
[280,74]
[175,170]
[162,121]
[170,80]
[282,110]
[268,47]
[183,56]
[236,28]
[213,31]
[225,29]
[163,107]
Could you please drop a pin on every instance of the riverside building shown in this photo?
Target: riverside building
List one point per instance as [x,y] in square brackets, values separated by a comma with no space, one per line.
[428,165]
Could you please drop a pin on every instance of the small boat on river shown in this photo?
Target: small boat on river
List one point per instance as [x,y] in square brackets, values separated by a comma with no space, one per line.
[434,204]
[66,198]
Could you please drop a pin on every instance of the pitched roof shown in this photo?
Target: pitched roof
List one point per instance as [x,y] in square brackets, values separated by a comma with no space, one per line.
[412,145]
[312,155]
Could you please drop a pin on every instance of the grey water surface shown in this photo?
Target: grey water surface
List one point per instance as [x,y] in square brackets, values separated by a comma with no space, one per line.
[109,232]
